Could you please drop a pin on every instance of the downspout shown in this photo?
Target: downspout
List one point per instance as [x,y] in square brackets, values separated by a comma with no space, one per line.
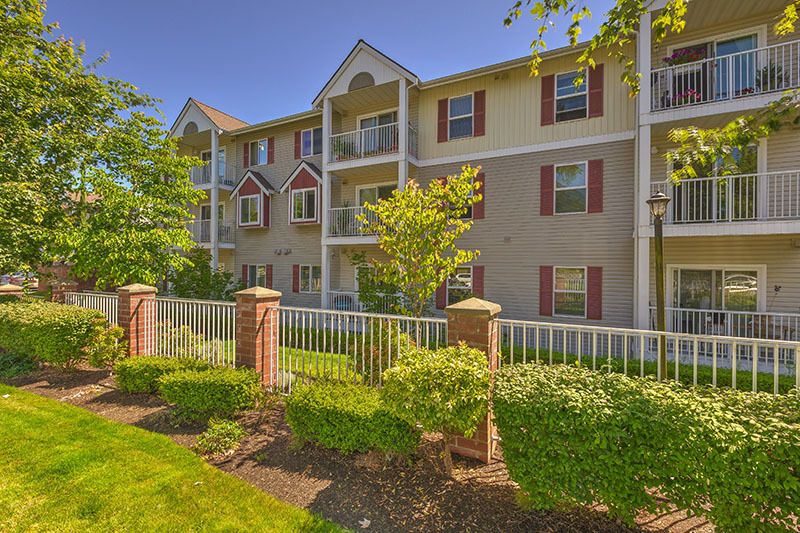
[636,206]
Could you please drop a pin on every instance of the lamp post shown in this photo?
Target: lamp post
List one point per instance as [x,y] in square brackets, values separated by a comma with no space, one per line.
[658,207]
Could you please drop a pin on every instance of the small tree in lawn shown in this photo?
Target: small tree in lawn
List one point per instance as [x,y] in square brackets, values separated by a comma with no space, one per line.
[445,390]
[418,228]
[201,281]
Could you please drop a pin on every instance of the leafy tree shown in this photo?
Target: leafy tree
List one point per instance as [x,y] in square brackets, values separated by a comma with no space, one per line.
[201,281]
[87,173]
[419,227]
[374,294]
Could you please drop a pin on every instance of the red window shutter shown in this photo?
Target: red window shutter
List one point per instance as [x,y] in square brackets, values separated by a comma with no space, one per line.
[477,208]
[297,144]
[594,188]
[596,91]
[265,218]
[441,296]
[546,189]
[479,114]
[546,291]
[271,150]
[477,281]
[548,99]
[295,278]
[244,274]
[441,131]
[246,155]
[268,276]
[594,293]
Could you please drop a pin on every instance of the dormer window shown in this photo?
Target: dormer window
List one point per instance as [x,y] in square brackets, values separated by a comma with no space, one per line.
[249,209]
[304,205]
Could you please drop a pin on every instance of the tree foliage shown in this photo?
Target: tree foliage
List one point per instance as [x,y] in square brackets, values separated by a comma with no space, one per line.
[87,173]
[201,281]
[419,229]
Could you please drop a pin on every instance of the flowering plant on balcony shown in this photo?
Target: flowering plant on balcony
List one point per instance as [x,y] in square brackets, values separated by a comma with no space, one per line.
[684,56]
[687,97]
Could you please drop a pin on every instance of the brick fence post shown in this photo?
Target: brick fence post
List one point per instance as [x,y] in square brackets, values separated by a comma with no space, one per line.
[136,316]
[257,331]
[59,288]
[11,290]
[474,321]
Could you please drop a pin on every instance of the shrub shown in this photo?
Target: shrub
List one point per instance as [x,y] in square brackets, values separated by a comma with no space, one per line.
[348,418]
[219,391]
[9,299]
[108,348]
[574,436]
[53,333]
[446,390]
[221,437]
[141,373]
[14,363]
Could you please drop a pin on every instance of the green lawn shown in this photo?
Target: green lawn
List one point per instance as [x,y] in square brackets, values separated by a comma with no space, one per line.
[65,469]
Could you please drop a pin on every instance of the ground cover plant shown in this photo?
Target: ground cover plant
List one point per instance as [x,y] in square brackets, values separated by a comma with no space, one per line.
[65,469]
[221,437]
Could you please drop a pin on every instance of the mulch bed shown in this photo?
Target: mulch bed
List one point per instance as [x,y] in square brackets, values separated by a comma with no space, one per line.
[359,491]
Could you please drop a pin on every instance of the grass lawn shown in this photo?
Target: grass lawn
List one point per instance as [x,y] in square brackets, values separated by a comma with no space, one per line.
[65,469]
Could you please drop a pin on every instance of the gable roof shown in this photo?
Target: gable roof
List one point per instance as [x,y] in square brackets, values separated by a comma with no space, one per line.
[304,165]
[262,182]
[380,56]
[220,119]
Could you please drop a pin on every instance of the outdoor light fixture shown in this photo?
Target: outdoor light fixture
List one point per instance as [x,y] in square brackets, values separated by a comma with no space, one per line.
[658,204]
[658,208]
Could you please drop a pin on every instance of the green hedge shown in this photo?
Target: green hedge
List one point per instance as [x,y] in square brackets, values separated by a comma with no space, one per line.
[571,435]
[142,373]
[348,418]
[220,391]
[52,333]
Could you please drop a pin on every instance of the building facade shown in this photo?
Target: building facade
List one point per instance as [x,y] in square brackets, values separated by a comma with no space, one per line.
[563,228]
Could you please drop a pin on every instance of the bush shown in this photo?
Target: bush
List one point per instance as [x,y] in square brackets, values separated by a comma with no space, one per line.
[14,363]
[53,333]
[221,437]
[574,436]
[9,299]
[446,390]
[219,391]
[141,373]
[348,418]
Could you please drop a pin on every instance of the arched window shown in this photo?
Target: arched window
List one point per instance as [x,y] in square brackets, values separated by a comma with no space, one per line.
[190,128]
[361,80]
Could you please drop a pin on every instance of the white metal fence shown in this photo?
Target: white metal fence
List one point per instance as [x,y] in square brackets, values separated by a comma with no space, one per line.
[339,300]
[201,232]
[342,221]
[367,142]
[748,324]
[107,303]
[202,175]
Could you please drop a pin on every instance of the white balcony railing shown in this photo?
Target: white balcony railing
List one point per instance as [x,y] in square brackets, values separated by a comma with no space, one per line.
[201,232]
[714,79]
[753,325]
[370,142]
[342,221]
[202,175]
[766,196]
[349,301]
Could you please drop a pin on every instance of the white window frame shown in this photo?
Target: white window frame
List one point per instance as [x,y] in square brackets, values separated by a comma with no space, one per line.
[556,98]
[372,186]
[471,116]
[310,279]
[258,214]
[471,283]
[585,186]
[585,290]
[253,281]
[266,152]
[316,204]
[761,296]
[312,130]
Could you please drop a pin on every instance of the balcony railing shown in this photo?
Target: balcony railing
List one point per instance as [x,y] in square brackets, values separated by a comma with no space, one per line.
[348,301]
[202,175]
[766,196]
[342,221]
[370,142]
[714,79]
[201,232]
[752,325]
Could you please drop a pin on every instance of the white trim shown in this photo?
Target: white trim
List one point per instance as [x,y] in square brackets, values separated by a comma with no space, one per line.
[556,97]
[239,211]
[296,172]
[585,187]
[471,115]
[585,290]
[310,279]
[249,175]
[293,220]
[627,135]
[760,268]
[312,154]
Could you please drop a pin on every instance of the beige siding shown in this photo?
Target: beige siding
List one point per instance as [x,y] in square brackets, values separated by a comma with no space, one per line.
[343,272]
[343,189]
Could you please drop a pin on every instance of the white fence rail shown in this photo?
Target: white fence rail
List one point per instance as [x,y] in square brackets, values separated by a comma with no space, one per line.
[342,221]
[367,142]
[202,175]
[750,364]
[107,303]
[349,301]
[713,79]
[766,196]
[754,325]
[201,232]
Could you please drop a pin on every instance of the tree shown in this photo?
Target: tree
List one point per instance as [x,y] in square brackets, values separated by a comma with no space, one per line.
[418,228]
[374,294]
[201,281]
[87,172]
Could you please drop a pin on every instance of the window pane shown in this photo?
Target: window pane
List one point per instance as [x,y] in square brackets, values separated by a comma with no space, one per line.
[461,278]
[253,209]
[570,279]
[316,279]
[695,290]
[741,290]
[571,108]
[244,211]
[571,201]
[368,123]
[205,212]
[221,161]
[461,106]
[297,205]
[570,176]
[306,143]
[367,196]
[311,204]
[461,127]
[385,191]
[569,303]
[305,274]
[261,280]
[387,118]
[318,141]
[251,276]
[565,84]
[262,152]
[253,153]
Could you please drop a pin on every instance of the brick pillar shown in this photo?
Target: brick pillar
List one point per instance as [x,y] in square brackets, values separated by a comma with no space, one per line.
[474,321]
[11,290]
[136,316]
[59,288]
[257,331]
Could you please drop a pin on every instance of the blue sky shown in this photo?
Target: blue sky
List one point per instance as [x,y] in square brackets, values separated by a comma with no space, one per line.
[260,60]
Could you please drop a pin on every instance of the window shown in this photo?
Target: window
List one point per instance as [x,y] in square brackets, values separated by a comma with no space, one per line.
[248,210]
[570,188]
[459,285]
[304,205]
[570,100]
[377,139]
[258,152]
[221,163]
[569,292]
[460,118]
[715,289]
[311,142]
[256,276]
[310,278]
[371,195]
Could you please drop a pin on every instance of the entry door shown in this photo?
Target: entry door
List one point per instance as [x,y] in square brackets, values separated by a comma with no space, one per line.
[378,139]
[735,75]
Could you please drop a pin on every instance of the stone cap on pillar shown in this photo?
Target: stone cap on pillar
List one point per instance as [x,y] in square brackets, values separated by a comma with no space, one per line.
[258,292]
[474,306]
[63,283]
[9,288]
[137,288]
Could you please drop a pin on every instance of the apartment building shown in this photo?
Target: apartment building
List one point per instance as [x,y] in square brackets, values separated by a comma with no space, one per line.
[563,228]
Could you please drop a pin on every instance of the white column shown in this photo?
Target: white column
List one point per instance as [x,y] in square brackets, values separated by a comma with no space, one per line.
[327,111]
[326,278]
[402,124]
[214,198]
[643,53]
[642,233]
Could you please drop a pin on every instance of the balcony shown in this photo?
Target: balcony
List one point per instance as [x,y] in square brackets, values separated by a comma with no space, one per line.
[202,175]
[741,75]
[370,142]
[342,221]
[348,301]
[753,325]
[773,196]
[201,233]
